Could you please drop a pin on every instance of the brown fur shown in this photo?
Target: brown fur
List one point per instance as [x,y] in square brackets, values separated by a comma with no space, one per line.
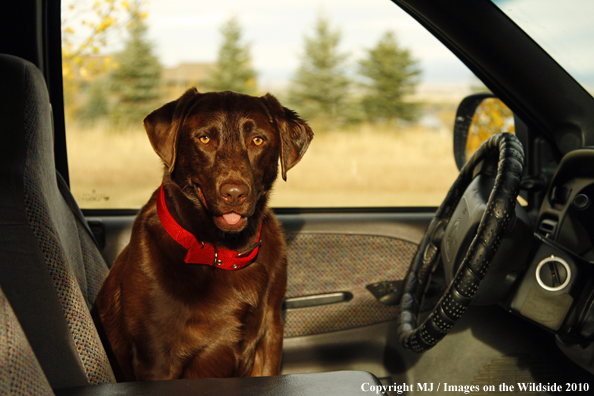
[167,319]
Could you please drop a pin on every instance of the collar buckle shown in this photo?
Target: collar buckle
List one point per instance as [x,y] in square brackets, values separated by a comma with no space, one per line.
[216,262]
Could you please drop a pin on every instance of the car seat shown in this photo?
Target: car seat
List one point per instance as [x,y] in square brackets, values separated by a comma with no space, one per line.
[50,269]
[20,372]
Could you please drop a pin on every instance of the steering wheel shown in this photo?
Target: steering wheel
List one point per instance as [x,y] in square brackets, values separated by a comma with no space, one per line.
[505,149]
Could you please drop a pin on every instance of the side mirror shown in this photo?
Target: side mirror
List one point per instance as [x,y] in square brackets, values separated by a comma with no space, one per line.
[479,117]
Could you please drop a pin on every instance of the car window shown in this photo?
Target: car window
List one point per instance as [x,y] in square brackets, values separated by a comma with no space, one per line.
[378,90]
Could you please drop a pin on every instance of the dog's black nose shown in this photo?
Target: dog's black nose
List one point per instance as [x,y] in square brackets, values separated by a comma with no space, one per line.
[234,194]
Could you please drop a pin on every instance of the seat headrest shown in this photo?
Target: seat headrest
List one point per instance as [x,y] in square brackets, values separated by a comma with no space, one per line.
[26,128]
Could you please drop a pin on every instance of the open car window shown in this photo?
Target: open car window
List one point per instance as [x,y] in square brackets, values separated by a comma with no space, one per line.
[378,90]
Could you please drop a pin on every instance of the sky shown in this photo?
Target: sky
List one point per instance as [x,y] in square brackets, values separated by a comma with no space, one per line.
[188,31]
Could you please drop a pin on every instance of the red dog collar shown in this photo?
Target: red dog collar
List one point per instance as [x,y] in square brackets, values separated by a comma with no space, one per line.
[200,252]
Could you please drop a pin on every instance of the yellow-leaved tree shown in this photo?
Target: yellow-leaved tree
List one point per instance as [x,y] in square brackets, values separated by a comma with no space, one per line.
[491,116]
[87,27]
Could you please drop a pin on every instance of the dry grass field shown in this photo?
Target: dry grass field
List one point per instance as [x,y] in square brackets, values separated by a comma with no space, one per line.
[367,166]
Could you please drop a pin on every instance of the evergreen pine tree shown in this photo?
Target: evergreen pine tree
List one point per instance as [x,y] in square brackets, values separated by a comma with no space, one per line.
[96,105]
[137,78]
[320,86]
[391,74]
[233,70]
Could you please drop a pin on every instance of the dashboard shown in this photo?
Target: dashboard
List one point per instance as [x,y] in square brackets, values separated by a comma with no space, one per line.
[556,290]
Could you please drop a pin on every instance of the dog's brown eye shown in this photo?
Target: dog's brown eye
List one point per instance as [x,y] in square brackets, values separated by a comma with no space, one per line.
[258,141]
[204,139]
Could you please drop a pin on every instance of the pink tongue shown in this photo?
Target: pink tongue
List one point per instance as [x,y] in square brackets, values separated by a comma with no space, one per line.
[232,218]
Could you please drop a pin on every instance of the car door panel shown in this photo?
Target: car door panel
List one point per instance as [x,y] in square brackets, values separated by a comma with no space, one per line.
[326,263]
[332,258]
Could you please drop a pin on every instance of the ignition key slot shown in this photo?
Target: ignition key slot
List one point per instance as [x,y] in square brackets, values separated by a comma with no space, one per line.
[553,273]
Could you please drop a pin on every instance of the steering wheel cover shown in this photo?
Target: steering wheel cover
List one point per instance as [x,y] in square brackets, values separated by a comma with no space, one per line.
[506,149]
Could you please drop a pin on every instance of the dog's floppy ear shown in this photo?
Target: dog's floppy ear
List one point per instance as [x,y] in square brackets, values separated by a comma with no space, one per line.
[163,125]
[295,134]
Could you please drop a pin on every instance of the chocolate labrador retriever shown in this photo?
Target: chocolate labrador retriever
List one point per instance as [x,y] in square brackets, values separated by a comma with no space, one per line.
[198,291]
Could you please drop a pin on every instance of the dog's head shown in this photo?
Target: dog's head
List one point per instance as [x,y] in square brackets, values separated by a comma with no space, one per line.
[222,150]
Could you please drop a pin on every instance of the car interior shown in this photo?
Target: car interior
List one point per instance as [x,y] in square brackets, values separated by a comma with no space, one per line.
[478,292]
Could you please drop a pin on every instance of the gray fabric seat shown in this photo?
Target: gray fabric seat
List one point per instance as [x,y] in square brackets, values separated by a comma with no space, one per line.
[20,373]
[50,269]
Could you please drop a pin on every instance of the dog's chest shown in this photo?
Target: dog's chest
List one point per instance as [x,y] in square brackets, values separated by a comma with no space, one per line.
[224,312]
